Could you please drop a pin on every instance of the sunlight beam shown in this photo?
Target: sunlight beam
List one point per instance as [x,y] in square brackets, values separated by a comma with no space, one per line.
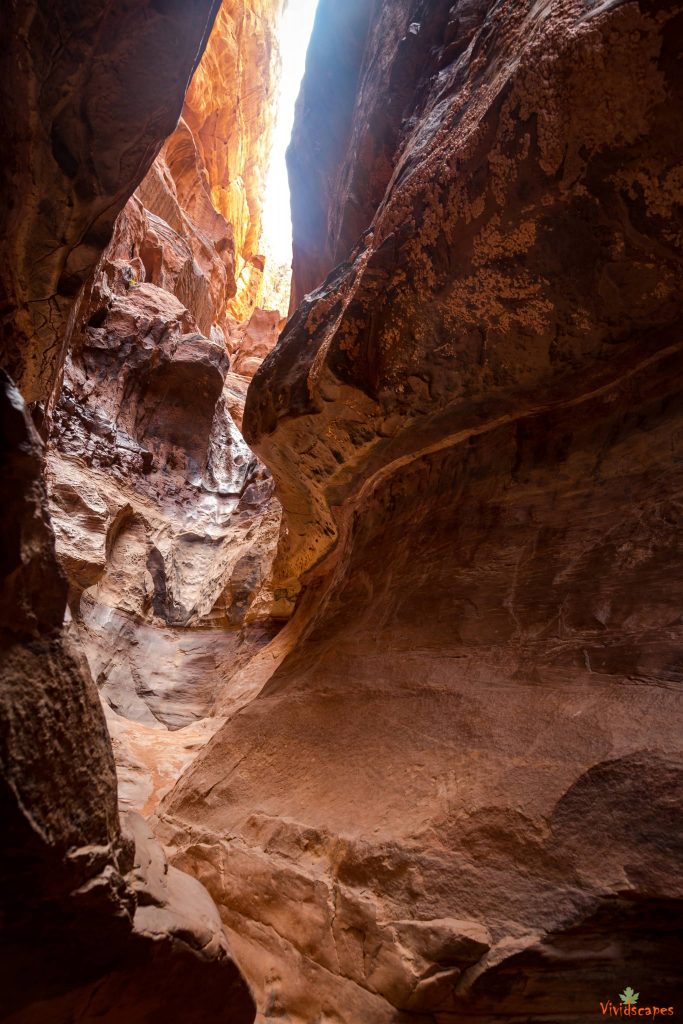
[294,33]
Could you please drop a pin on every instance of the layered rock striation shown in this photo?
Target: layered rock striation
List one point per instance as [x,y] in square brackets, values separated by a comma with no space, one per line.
[458,796]
[449,788]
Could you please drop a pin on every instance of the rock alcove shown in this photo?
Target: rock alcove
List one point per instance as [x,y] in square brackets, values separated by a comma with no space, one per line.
[341,657]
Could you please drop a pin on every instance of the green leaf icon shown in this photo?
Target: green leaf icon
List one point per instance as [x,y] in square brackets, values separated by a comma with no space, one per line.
[628,996]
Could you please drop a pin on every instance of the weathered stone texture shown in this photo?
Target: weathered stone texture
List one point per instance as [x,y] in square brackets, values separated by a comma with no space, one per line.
[165,522]
[458,796]
[95,924]
[92,91]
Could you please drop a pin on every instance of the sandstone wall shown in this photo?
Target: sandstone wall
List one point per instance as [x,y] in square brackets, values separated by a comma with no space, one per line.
[165,522]
[230,109]
[449,787]
[458,797]
[216,161]
[95,923]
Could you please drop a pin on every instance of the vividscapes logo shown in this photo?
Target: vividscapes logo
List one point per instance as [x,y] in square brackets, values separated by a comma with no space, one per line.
[628,1007]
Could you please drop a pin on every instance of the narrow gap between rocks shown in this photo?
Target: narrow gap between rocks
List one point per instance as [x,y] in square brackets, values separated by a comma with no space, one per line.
[276,238]
[166,522]
[447,785]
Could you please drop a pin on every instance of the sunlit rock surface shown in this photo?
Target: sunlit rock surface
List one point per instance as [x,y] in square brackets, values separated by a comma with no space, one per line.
[230,110]
[458,797]
[253,340]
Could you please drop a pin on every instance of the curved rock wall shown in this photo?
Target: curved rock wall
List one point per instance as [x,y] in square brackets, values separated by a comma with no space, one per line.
[458,797]
[449,787]
[95,924]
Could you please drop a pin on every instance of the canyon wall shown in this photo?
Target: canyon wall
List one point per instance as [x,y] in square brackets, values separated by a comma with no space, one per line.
[227,120]
[448,787]
[165,522]
[136,551]
[91,96]
[95,924]
[320,155]
[458,797]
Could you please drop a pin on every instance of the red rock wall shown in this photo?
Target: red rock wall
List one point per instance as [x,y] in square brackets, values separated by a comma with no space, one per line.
[165,522]
[230,109]
[458,797]
[208,182]
[449,788]
[95,924]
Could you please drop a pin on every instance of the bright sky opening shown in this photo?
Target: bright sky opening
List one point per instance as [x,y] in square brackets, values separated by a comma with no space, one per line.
[296,25]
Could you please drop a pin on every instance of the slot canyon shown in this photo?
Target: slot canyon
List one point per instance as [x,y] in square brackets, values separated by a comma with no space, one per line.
[341,618]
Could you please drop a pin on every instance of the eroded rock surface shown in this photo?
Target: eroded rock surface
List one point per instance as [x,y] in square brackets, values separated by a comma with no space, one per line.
[145,467]
[253,340]
[449,788]
[95,924]
[165,522]
[229,111]
[458,797]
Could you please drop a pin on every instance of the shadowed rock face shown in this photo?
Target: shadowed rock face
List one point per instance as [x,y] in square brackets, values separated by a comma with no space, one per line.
[321,140]
[95,88]
[458,797]
[519,254]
